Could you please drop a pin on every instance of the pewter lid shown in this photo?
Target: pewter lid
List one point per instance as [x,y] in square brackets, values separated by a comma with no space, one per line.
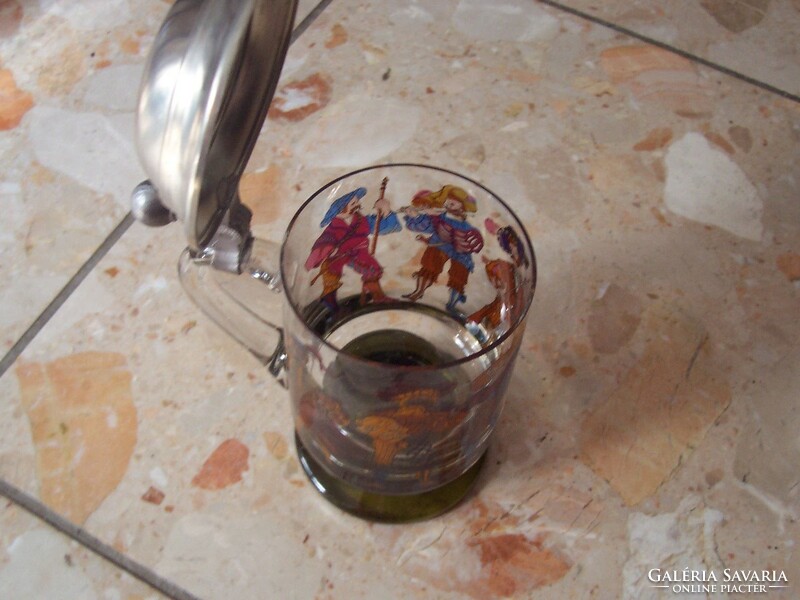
[206,89]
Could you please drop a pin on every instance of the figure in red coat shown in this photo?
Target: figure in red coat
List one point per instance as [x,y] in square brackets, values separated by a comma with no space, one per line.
[345,243]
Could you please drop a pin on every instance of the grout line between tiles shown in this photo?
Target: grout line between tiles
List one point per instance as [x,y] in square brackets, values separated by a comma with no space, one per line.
[81,536]
[674,50]
[62,296]
[310,18]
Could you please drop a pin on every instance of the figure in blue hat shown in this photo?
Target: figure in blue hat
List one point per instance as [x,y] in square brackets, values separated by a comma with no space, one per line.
[345,242]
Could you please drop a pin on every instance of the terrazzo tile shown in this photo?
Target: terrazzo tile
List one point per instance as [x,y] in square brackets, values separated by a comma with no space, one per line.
[70,75]
[756,38]
[37,561]
[83,422]
[665,309]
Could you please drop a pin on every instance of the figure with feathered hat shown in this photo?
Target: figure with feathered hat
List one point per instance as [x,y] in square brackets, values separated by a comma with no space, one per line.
[345,242]
[505,277]
[440,220]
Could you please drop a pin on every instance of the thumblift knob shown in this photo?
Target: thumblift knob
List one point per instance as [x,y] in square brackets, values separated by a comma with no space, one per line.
[147,208]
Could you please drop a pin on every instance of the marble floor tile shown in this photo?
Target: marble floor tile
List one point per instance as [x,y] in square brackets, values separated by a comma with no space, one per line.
[69,76]
[754,38]
[37,561]
[650,421]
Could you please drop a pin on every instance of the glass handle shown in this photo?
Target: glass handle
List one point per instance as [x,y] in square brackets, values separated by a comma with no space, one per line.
[247,304]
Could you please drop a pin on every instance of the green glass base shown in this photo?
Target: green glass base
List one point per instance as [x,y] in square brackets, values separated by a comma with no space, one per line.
[387,508]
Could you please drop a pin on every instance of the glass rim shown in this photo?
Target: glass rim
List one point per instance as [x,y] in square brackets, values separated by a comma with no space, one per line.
[445,365]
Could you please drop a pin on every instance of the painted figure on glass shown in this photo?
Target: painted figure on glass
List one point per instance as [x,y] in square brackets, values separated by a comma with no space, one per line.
[440,220]
[503,275]
[345,242]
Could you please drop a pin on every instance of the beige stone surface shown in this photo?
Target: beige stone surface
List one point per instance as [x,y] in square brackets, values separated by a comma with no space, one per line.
[661,410]
[37,561]
[754,37]
[83,424]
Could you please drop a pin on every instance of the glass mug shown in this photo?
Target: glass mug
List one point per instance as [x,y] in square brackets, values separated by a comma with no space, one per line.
[404,292]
